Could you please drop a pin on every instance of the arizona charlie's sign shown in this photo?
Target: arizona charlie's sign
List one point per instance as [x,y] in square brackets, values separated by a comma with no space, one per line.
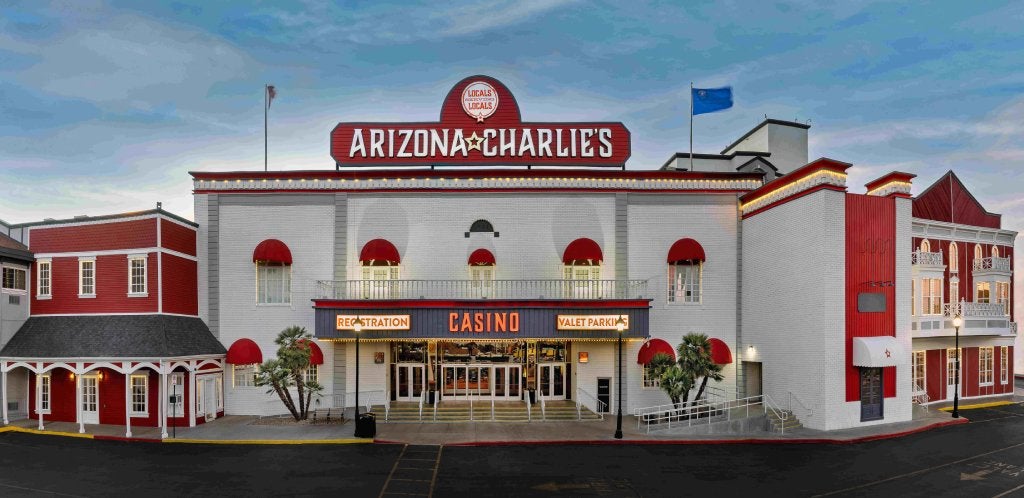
[480,125]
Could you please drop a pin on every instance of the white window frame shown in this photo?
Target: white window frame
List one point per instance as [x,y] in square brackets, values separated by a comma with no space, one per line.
[918,359]
[81,277]
[678,291]
[40,264]
[583,281]
[978,252]
[931,301]
[1004,367]
[954,291]
[286,284]
[650,382]
[985,365]
[132,292]
[177,408]
[243,375]
[377,280]
[988,292]
[219,382]
[1003,296]
[995,251]
[45,392]
[926,246]
[24,278]
[312,373]
[954,255]
[144,379]
[913,297]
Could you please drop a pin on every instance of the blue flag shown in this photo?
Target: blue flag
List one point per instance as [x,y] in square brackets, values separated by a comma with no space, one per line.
[707,100]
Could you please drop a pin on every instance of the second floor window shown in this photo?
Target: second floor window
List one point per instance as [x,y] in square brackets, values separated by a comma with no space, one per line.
[954,292]
[931,296]
[273,283]
[983,293]
[978,253]
[137,275]
[1003,296]
[481,271]
[926,246]
[954,254]
[684,282]
[87,277]
[43,278]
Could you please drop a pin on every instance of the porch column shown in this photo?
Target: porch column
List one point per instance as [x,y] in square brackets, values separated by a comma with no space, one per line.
[3,397]
[127,404]
[191,408]
[78,403]
[163,403]
[39,400]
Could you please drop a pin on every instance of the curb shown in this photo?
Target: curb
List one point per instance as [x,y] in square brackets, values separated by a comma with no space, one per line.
[268,441]
[979,405]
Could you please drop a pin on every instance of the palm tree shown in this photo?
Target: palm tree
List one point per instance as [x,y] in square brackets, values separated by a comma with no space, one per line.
[695,362]
[289,370]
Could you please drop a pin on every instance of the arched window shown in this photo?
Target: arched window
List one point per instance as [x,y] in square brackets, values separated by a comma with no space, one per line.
[481,271]
[481,226]
[954,255]
[380,261]
[582,266]
[273,262]
[926,246]
[685,271]
[978,253]
[995,251]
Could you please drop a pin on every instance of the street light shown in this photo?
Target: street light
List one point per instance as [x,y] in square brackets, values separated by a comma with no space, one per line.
[958,322]
[620,326]
[357,327]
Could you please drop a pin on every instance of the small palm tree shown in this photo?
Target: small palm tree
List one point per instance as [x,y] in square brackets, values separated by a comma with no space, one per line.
[289,370]
[695,362]
[675,383]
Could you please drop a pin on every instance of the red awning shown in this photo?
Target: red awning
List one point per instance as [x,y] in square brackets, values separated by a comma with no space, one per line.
[720,353]
[272,251]
[653,347]
[582,251]
[316,356]
[685,250]
[244,352]
[379,252]
[481,257]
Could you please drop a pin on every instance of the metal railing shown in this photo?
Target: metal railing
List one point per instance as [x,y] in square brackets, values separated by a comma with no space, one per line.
[701,412]
[805,411]
[920,395]
[781,415]
[968,309]
[598,406]
[992,263]
[369,398]
[477,289]
[926,258]
[543,408]
[529,408]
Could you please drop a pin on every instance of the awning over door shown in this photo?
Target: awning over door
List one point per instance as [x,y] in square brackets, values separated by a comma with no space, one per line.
[481,257]
[582,251]
[882,351]
[244,352]
[379,252]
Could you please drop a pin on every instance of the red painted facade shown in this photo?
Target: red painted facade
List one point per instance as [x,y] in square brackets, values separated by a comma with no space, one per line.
[111,288]
[965,266]
[948,200]
[181,285]
[103,236]
[870,257]
[176,237]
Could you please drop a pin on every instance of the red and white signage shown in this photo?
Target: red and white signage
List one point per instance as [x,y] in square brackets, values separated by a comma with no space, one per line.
[480,125]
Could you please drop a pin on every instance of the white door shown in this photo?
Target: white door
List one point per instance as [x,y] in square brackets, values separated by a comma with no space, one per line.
[408,381]
[551,380]
[210,398]
[90,399]
[951,372]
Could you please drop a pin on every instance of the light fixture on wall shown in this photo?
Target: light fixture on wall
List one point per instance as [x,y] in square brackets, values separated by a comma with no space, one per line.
[751,352]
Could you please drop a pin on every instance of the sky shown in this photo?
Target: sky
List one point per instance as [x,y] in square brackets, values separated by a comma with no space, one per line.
[106,105]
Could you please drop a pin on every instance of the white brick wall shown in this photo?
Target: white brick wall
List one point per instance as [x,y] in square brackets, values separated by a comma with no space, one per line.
[203,254]
[794,302]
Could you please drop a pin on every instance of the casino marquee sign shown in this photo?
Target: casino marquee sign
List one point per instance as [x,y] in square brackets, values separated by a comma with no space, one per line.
[480,125]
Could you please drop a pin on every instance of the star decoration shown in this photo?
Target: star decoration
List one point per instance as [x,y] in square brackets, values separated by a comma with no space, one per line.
[480,118]
[888,354]
[474,142]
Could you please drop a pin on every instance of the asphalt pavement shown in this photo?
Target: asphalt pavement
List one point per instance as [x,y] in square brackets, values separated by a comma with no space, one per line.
[982,458]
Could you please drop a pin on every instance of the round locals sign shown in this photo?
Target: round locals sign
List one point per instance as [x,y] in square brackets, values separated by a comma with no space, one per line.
[479,100]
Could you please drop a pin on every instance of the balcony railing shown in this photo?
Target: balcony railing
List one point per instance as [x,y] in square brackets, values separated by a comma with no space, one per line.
[926,258]
[482,289]
[992,264]
[967,310]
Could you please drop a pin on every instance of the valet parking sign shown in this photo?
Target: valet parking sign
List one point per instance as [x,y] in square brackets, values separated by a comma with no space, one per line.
[480,125]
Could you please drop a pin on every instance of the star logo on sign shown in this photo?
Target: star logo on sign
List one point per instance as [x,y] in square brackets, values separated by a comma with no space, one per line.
[888,354]
[474,142]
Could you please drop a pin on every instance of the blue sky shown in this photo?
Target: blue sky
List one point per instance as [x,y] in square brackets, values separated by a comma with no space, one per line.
[104,106]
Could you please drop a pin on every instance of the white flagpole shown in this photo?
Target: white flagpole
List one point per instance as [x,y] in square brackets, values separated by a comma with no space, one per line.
[266,108]
[691,126]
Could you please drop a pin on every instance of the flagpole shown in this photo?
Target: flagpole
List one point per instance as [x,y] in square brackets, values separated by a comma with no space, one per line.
[266,108]
[691,126]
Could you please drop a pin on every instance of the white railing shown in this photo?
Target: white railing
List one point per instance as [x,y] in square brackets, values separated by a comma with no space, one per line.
[543,408]
[679,415]
[422,397]
[920,395]
[968,309]
[597,406]
[715,394]
[805,411]
[992,263]
[926,258]
[529,408]
[476,289]
[1013,328]
[781,415]
[436,402]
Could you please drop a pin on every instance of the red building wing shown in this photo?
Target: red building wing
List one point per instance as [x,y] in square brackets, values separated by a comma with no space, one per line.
[135,234]
[176,237]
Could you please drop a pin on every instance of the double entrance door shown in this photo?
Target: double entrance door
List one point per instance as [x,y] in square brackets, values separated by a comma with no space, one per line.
[481,381]
[551,380]
[408,381]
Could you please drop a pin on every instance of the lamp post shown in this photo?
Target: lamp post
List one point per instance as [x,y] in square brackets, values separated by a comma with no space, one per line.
[958,322]
[620,326]
[357,327]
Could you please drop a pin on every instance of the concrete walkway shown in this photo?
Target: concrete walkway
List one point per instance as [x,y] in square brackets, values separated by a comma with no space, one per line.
[248,429]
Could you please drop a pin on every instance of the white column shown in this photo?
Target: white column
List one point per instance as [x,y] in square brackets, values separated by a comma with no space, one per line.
[3,398]
[39,400]
[191,408]
[163,403]
[78,403]
[127,405]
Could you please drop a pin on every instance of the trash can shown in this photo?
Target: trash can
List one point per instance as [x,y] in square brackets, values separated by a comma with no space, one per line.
[533,396]
[366,425]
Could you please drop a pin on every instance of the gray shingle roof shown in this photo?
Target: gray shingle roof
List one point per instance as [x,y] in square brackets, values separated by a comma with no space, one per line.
[112,336]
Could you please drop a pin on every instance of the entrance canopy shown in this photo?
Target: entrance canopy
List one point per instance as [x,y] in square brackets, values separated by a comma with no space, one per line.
[882,351]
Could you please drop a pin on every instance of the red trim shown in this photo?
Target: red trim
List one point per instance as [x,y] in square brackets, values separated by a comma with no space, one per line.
[481,257]
[272,251]
[686,250]
[582,250]
[653,347]
[474,174]
[244,352]
[379,252]
[823,164]
[720,352]
[895,176]
[795,197]
[478,303]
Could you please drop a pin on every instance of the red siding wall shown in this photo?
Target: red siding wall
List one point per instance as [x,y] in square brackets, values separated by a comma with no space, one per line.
[99,237]
[181,286]
[935,372]
[177,238]
[948,200]
[111,288]
[62,397]
[970,372]
[870,257]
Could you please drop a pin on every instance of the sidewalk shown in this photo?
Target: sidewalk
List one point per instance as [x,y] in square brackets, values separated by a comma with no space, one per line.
[235,429]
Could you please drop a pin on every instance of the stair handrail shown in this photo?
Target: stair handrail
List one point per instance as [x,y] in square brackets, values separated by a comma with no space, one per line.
[436,402]
[921,395]
[422,397]
[492,409]
[471,409]
[770,405]
[543,409]
[581,396]
[807,411]
[529,408]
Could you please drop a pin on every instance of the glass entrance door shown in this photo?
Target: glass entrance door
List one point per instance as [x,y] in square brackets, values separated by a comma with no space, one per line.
[551,380]
[408,381]
[476,381]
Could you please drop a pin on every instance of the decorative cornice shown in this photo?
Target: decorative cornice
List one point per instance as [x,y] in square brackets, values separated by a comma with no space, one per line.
[818,178]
